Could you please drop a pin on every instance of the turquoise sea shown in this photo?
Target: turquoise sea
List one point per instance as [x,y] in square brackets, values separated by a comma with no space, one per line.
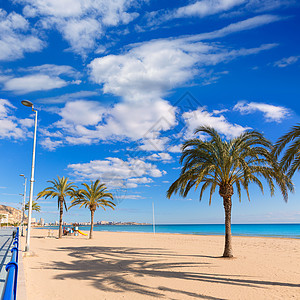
[264,230]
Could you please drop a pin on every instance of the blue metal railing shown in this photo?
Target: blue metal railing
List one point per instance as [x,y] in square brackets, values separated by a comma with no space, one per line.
[10,288]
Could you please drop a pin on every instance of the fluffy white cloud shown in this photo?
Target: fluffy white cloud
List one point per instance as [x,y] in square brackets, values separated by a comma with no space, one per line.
[31,83]
[81,113]
[148,70]
[41,78]
[271,113]
[142,75]
[164,157]
[116,172]
[87,122]
[49,144]
[15,37]
[201,117]
[10,126]
[81,22]
[284,62]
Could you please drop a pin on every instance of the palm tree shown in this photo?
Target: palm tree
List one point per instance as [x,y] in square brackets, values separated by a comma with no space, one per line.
[290,161]
[223,164]
[93,196]
[35,206]
[60,188]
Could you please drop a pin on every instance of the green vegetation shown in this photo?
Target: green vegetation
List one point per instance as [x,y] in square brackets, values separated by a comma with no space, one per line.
[224,164]
[35,206]
[60,188]
[93,196]
[290,161]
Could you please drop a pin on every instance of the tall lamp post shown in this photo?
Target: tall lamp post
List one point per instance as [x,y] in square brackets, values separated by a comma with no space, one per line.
[29,104]
[23,207]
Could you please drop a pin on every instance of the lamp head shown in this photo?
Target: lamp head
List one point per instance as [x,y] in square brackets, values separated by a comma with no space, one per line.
[27,103]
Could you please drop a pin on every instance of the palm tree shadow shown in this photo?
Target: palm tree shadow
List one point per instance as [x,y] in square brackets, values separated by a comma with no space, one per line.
[117,269]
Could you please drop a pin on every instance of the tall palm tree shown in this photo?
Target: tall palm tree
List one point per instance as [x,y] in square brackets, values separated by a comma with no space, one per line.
[290,161]
[60,188]
[223,164]
[35,206]
[93,196]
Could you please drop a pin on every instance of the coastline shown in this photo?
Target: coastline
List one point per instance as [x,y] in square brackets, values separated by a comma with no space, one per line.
[183,234]
[275,230]
[119,265]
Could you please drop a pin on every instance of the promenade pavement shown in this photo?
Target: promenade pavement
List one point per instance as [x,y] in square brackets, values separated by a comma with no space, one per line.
[5,254]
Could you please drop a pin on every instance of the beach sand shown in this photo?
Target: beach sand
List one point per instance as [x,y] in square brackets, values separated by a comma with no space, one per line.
[168,266]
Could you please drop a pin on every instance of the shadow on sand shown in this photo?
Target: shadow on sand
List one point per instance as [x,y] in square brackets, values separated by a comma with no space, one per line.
[118,269]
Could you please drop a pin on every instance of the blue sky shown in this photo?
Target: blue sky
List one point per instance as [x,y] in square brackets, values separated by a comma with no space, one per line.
[120,85]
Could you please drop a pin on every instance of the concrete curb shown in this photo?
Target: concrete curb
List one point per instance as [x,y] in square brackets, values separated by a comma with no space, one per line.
[21,289]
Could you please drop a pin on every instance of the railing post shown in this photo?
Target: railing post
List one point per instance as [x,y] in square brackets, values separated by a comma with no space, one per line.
[15,267]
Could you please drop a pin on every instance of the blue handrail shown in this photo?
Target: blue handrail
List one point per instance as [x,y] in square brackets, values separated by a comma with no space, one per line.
[10,289]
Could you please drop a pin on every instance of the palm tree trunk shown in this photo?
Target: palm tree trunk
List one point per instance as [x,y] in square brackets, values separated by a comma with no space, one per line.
[92,224]
[228,246]
[61,210]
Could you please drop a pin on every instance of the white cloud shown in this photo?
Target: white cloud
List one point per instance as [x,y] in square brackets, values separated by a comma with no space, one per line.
[81,22]
[154,143]
[41,78]
[31,83]
[247,24]
[201,117]
[26,122]
[267,5]
[53,70]
[68,97]
[116,172]
[284,62]
[162,156]
[49,144]
[81,113]
[142,76]
[15,37]
[205,8]
[10,126]
[146,71]
[271,113]
[81,34]
[87,122]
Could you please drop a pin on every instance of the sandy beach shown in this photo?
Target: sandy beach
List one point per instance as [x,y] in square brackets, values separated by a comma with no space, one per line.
[167,266]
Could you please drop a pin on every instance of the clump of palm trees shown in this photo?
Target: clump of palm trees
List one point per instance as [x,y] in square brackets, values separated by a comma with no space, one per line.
[248,158]
[93,196]
[35,206]
[211,163]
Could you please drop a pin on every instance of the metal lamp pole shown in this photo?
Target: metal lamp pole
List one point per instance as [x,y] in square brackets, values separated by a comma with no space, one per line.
[29,104]
[23,207]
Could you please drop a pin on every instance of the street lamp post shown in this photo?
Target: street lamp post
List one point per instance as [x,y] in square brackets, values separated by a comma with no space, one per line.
[23,207]
[29,104]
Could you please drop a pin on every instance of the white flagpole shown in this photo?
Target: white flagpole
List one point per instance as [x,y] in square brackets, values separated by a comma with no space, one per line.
[153,218]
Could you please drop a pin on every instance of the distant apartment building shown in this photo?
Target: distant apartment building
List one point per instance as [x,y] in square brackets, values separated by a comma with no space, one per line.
[104,222]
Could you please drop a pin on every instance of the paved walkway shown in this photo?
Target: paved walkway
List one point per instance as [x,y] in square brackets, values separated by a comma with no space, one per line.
[5,254]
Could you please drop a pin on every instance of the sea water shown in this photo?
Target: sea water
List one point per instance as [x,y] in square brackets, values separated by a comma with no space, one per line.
[263,230]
